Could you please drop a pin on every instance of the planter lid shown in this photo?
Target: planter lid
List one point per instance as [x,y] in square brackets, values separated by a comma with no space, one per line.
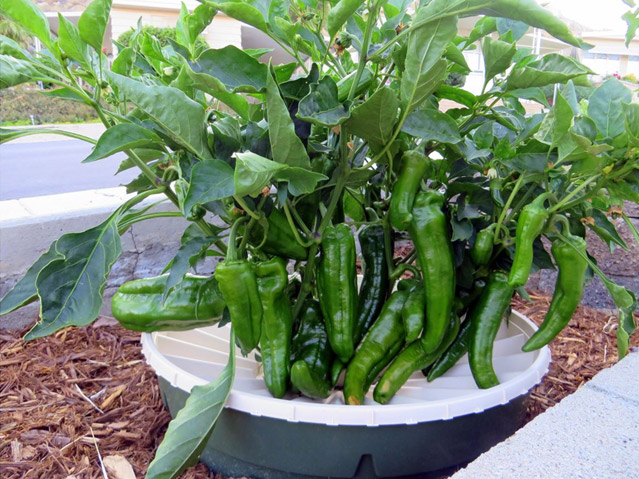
[189,358]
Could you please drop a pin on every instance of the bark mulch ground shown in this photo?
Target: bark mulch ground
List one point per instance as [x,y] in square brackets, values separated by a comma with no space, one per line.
[85,396]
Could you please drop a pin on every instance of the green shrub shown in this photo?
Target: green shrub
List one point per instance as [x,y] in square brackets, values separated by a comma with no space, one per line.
[630,77]
[162,34]
[19,103]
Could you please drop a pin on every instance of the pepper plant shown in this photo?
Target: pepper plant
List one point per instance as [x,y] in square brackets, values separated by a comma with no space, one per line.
[349,140]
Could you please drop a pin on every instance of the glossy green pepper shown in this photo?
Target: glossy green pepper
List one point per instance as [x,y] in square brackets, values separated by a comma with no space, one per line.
[312,356]
[280,240]
[195,302]
[485,319]
[530,224]
[429,230]
[413,358]
[374,287]
[569,290]
[387,333]
[413,311]
[453,354]
[414,166]
[337,288]
[482,250]
[336,371]
[277,324]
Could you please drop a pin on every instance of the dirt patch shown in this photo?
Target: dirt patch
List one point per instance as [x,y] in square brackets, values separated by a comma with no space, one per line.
[84,390]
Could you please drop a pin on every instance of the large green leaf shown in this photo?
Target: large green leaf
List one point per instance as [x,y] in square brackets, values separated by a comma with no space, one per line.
[93,22]
[30,17]
[606,230]
[556,123]
[70,40]
[237,70]
[216,89]
[124,62]
[553,68]
[286,146]
[340,13]
[25,289]
[182,118]
[254,172]
[605,107]
[16,71]
[321,106]
[423,60]
[210,180]
[191,428]
[497,57]
[190,25]
[430,124]
[13,49]
[123,136]
[70,288]
[631,122]
[375,119]
[243,12]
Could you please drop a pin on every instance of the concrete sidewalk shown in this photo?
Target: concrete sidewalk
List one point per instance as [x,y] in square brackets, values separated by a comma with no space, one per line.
[591,434]
[92,130]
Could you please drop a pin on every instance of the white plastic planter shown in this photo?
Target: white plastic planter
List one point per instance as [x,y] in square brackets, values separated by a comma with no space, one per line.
[425,429]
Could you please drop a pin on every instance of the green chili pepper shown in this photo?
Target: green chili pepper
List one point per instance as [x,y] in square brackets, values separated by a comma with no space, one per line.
[374,287]
[279,240]
[311,354]
[482,250]
[385,334]
[337,287]
[277,324]
[568,291]
[414,166]
[453,354]
[485,319]
[529,225]
[336,370]
[238,285]
[430,233]
[413,312]
[195,302]
[413,358]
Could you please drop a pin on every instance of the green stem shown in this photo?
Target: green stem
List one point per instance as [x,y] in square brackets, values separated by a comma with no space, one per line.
[161,214]
[573,193]
[504,211]
[231,252]
[368,33]
[250,225]
[240,201]
[291,223]
[298,219]
[402,268]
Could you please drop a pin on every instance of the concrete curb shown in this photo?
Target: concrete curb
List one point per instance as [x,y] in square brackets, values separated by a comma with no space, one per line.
[591,434]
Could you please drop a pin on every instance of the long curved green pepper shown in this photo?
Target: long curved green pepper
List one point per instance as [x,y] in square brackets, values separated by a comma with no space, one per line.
[311,354]
[453,354]
[430,233]
[336,371]
[413,358]
[238,285]
[337,288]
[374,287]
[569,290]
[414,166]
[277,324]
[413,312]
[485,319]
[482,250]
[385,334]
[529,225]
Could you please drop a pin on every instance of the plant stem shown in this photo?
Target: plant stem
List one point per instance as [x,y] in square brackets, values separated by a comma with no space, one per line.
[573,193]
[291,223]
[368,33]
[509,201]
[240,201]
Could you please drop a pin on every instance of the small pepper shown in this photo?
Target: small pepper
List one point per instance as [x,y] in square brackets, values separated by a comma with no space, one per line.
[529,225]
[193,303]
[485,319]
[414,166]
[413,310]
[277,324]
[337,288]
[311,354]
[569,290]
[385,334]
[482,250]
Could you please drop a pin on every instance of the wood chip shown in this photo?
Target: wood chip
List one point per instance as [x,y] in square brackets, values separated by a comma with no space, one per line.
[118,467]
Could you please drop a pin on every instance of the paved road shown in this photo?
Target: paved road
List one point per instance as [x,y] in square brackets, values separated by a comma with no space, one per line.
[47,168]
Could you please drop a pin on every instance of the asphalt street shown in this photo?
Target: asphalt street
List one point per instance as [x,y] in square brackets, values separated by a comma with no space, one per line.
[52,167]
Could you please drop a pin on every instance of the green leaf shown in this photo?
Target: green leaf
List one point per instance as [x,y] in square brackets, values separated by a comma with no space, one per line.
[455,55]
[497,57]
[455,94]
[631,122]
[254,172]
[374,120]
[210,180]
[16,72]
[182,118]
[605,107]
[190,25]
[353,201]
[340,13]
[286,146]
[321,106]
[216,89]
[70,41]
[121,137]
[424,68]
[237,70]
[552,68]
[517,28]
[534,93]
[556,123]
[625,328]
[632,19]
[25,290]
[12,49]
[430,124]
[70,288]
[124,62]
[193,425]
[606,230]
[93,22]
[194,244]
[30,17]
[243,12]
[8,134]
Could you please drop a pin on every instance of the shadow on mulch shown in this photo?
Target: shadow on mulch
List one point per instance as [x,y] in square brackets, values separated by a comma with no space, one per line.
[87,389]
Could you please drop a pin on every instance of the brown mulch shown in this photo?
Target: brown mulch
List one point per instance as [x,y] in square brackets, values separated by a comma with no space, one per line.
[84,390]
